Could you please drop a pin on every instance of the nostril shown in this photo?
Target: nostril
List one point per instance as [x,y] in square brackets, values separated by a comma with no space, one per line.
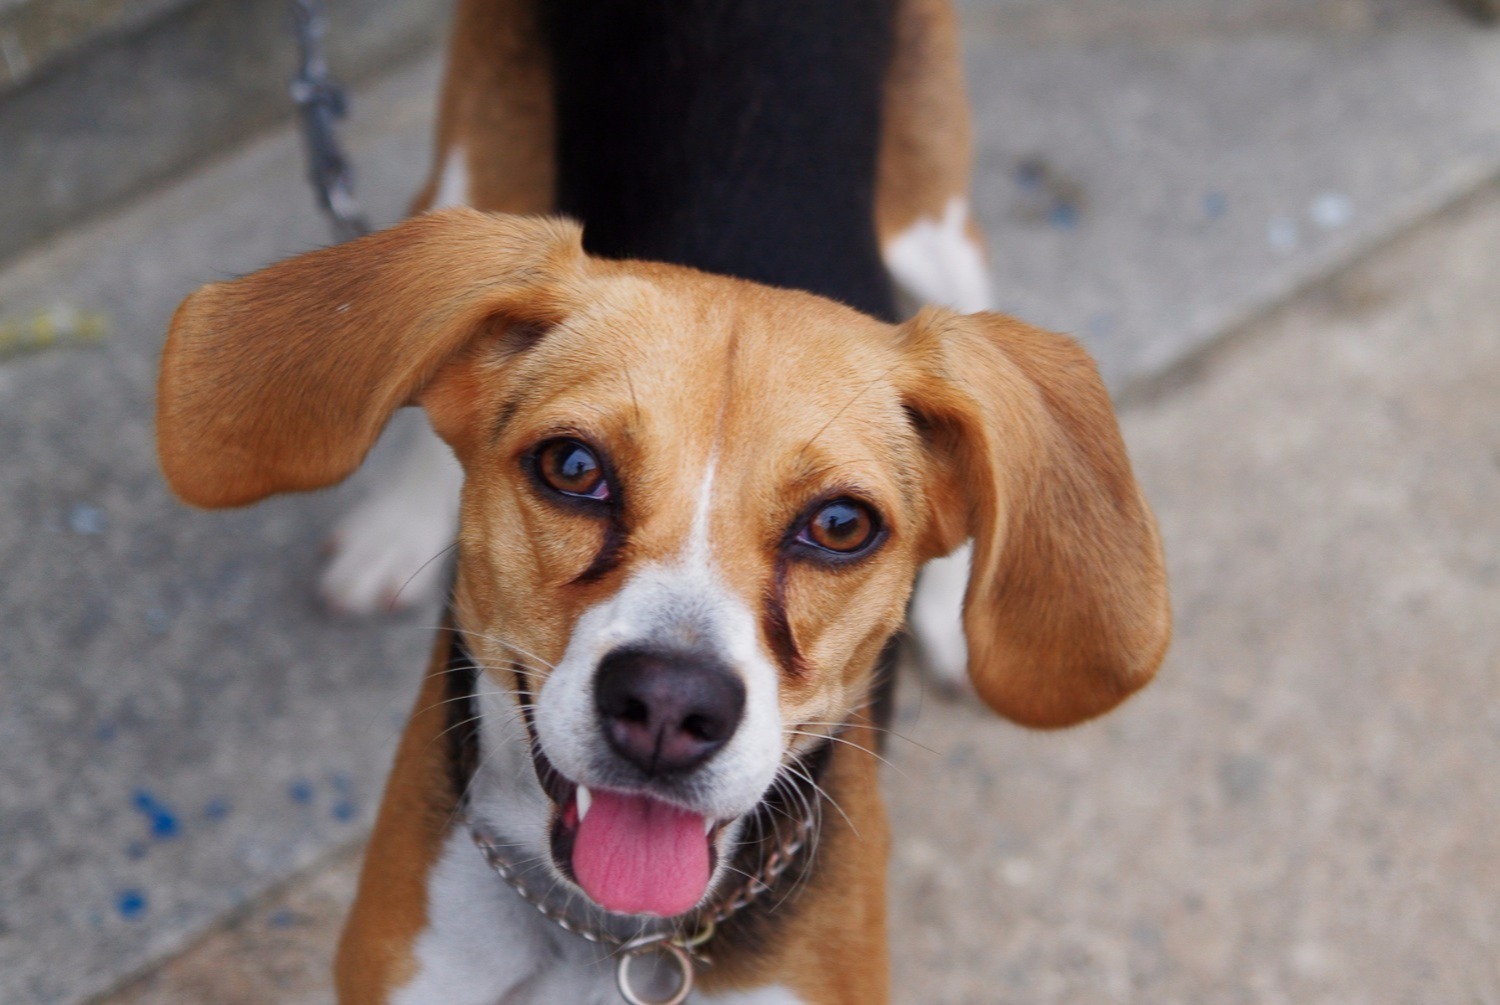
[701,728]
[635,712]
[667,712]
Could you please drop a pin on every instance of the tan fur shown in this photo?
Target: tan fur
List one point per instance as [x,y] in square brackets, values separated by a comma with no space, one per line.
[496,109]
[925,147]
[508,335]
[341,348]
[1067,610]
[390,909]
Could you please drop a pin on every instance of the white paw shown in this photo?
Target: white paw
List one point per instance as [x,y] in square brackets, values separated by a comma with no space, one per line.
[937,620]
[388,552]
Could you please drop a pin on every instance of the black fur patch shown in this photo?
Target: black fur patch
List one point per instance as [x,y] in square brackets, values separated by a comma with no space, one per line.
[778,627]
[460,678]
[734,136]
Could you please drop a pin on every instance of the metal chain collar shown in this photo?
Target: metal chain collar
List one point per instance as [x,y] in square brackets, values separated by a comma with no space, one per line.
[682,948]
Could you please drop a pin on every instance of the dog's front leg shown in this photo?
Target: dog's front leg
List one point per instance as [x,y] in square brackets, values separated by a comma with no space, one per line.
[388,551]
[409,939]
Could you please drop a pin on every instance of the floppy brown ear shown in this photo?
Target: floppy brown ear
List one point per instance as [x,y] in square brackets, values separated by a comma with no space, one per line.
[282,380]
[1067,611]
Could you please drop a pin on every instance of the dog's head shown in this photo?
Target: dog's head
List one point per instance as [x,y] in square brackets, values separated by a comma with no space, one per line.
[694,506]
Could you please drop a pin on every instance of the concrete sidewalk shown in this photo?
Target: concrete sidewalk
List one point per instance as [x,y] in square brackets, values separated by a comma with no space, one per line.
[1305,807]
[184,731]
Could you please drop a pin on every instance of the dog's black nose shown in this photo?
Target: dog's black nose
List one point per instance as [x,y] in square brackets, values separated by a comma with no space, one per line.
[667,712]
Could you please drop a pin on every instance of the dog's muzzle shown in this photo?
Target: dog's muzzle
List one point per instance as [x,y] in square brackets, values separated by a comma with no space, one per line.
[663,716]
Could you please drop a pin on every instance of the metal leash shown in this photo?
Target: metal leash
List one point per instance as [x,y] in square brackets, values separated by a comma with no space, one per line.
[320,104]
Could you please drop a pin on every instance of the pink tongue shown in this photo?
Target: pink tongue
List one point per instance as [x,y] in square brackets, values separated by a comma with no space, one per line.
[637,855]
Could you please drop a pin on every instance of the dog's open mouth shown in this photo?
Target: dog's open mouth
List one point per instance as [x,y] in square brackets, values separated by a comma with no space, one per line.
[630,852]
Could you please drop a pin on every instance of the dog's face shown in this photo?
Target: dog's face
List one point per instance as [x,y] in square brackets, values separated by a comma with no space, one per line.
[688,532]
[694,507]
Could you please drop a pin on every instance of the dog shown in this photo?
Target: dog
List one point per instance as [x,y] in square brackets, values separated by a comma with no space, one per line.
[497,150]
[702,464]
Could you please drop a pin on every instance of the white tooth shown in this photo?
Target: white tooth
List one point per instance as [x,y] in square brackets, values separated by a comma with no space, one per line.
[708,826]
[585,799]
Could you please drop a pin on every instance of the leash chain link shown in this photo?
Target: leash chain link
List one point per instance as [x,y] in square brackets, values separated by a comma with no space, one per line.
[320,103]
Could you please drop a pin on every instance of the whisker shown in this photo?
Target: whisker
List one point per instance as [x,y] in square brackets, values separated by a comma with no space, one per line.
[879,729]
[737,872]
[514,666]
[850,743]
[513,646]
[477,694]
[397,595]
[824,793]
[484,761]
[849,404]
[491,637]
[815,816]
[456,725]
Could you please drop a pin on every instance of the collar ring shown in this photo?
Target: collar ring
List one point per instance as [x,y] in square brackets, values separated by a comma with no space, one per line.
[662,947]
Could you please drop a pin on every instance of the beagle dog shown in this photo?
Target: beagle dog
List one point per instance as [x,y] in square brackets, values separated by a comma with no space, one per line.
[500,125]
[641,765]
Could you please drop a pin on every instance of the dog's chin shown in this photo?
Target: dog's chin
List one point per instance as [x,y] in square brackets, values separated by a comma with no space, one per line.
[630,852]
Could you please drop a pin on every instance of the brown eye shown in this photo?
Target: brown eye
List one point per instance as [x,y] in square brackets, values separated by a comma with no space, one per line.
[842,527]
[571,469]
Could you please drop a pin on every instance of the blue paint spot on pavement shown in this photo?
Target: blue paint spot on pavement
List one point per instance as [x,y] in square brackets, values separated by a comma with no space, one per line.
[344,808]
[216,809]
[300,791]
[131,904]
[1063,216]
[163,826]
[1215,205]
[105,731]
[162,819]
[282,919]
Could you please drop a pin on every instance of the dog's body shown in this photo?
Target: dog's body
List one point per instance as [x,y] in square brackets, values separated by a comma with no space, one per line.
[694,506]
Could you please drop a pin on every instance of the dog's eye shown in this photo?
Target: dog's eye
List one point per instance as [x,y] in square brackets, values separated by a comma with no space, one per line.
[572,469]
[843,527]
